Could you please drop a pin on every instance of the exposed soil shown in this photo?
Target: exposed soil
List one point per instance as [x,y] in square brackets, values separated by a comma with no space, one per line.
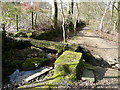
[102,48]
[106,49]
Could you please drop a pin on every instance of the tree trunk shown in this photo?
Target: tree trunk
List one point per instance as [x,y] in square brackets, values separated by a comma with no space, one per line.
[63,24]
[117,22]
[54,13]
[32,20]
[112,11]
[36,19]
[76,19]
[71,4]
[17,22]
[118,16]
[101,23]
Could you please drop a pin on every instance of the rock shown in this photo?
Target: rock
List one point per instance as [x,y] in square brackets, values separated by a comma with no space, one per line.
[60,47]
[88,66]
[105,73]
[99,72]
[34,63]
[111,73]
[68,63]
[67,68]
[97,57]
[117,65]
[111,61]
[88,75]
[44,35]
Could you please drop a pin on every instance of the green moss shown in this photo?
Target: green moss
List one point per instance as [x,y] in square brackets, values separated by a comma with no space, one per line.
[66,67]
[44,35]
[43,43]
[42,54]
[29,64]
[60,47]
[64,47]
[18,63]
[69,57]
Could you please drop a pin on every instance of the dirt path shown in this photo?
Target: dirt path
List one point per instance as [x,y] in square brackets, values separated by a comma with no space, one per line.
[108,50]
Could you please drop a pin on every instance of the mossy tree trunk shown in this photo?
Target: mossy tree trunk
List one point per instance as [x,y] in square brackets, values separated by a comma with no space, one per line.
[17,22]
[63,24]
[54,14]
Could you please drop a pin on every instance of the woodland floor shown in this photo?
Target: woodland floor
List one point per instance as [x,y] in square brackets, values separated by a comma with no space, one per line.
[105,77]
[108,50]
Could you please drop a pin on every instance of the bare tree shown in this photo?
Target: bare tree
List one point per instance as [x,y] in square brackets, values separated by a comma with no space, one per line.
[63,24]
[118,16]
[117,21]
[17,22]
[54,13]
[36,19]
[32,19]
[76,14]
[112,11]
[101,23]
[70,8]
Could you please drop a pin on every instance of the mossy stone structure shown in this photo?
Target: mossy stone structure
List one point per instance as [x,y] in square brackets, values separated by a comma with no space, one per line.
[67,63]
[60,47]
[67,68]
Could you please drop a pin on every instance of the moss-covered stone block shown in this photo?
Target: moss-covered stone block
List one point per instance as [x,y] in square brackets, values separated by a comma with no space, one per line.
[67,68]
[34,63]
[67,63]
[43,43]
[60,47]
[44,35]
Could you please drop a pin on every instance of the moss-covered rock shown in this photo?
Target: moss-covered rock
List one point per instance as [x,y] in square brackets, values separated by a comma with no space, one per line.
[67,68]
[49,35]
[60,47]
[67,63]
[34,63]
